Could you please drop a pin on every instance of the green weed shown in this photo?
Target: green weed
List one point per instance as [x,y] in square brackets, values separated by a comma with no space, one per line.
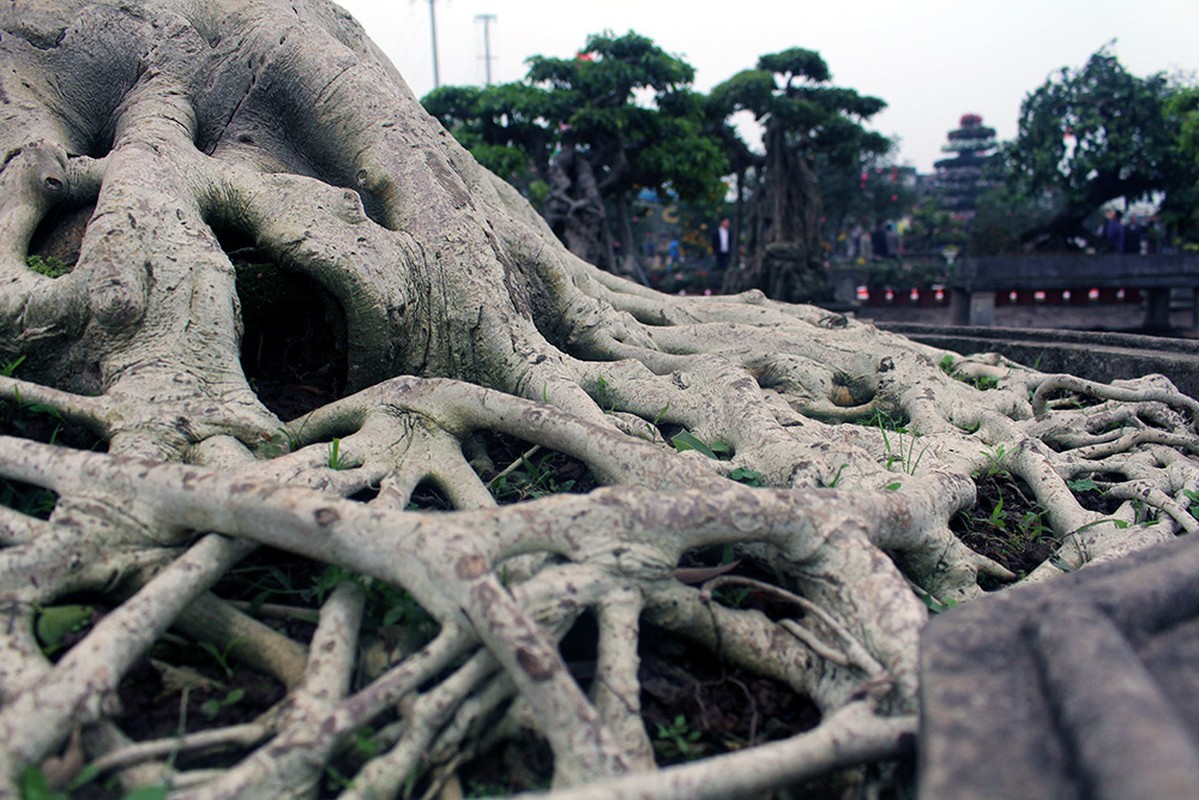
[221,657]
[49,266]
[936,606]
[335,459]
[837,477]
[1193,496]
[212,708]
[677,740]
[601,395]
[983,382]
[11,367]
[895,452]
[716,450]
[995,466]
[277,444]
[749,477]
[56,625]
[530,478]
[387,606]
[34,785]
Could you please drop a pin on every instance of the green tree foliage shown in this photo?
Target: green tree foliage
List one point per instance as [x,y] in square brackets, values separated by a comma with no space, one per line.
[595,129]
[503,126]
[1181,208]
[811,128]
[863,190]
[1092,135]
[1183,108]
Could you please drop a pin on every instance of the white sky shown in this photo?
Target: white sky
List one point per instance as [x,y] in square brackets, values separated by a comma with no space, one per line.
[930,60]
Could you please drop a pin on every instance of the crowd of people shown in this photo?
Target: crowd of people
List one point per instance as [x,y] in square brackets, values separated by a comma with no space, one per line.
[1132,237]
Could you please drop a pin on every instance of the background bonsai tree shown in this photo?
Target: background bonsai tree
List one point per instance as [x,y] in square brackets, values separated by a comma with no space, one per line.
[591,141]
[809,125]
[265,425]
[1095,134]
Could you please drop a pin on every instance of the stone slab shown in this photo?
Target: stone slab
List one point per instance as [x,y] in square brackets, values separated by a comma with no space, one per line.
[1099,356]
[1086,686]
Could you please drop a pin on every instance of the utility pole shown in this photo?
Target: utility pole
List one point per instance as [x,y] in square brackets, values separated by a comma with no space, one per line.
[486,19]
[433,29]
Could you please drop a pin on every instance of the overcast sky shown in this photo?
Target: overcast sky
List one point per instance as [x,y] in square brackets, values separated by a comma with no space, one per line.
[930,60]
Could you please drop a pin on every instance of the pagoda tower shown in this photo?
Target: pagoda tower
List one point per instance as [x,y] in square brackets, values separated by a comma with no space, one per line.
[959,180]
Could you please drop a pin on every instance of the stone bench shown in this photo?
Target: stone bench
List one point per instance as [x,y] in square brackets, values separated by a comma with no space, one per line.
[976,281]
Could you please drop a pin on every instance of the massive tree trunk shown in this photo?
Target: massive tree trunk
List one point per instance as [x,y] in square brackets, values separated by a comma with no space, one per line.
[787,262]
[234,167]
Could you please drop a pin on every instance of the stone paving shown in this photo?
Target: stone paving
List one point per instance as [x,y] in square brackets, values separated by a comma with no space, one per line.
[1085,686]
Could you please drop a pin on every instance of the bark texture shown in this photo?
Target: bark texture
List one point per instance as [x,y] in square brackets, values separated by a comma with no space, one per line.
[187,141]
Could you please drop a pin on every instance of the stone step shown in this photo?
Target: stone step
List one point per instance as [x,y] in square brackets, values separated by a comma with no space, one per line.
[1099,356]
[1087,686]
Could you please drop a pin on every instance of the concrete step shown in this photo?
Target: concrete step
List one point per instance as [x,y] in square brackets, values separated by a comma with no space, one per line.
[1100,356]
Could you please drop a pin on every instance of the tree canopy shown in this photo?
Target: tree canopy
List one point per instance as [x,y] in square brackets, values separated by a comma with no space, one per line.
[617,118]
[1091,135]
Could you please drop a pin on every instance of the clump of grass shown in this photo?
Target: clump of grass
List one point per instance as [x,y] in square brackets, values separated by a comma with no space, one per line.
[49,266]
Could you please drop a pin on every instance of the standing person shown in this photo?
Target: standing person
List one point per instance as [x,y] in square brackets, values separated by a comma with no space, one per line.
[893,241]
[1134,235]
[1113,231]
[722,245]
[856,235]
[878,242]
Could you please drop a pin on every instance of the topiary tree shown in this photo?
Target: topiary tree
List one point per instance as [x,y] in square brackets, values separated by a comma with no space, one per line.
[810,126]
[265,221]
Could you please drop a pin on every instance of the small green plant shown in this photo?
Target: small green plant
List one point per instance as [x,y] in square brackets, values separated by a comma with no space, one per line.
[936,606]
[995,458]
[56,625]
[278,443]
[1083,485]
[1193,497]
[32,501]
[998,519]
[893,486]
[601,395]
[716,450]
[749,477]
[49,266]
[365,742]
[732,596]
[212,708]
[530,478]
[35,785]
[386,605]
[335,459]
[220,656]
[895,453]
[677,740]
[660,414]
[11,367]
[837,477]
[948,364]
